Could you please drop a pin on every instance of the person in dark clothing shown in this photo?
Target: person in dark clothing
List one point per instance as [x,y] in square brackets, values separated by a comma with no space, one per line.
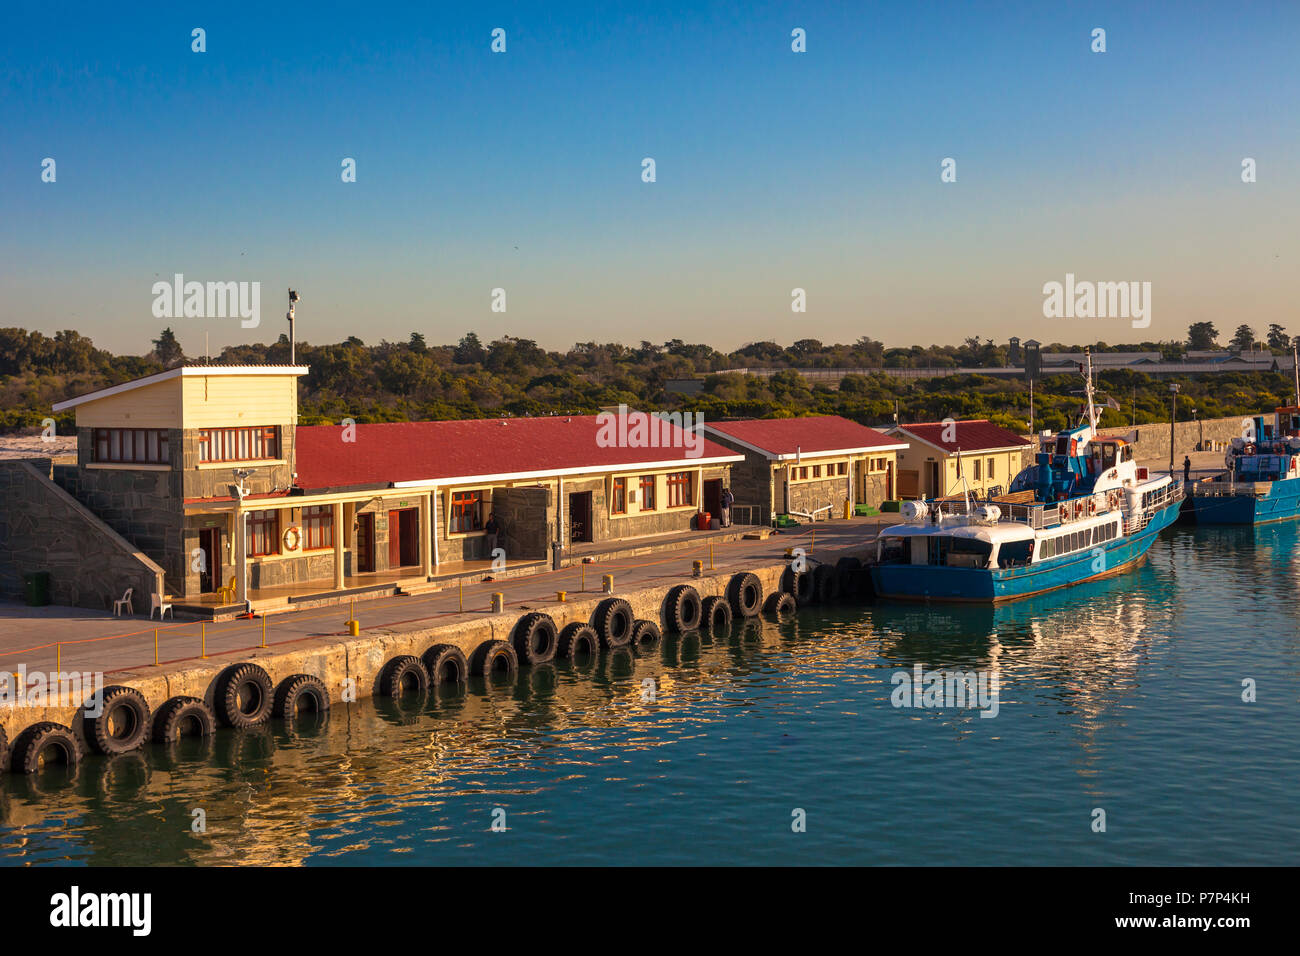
[728,499]
[1187,468]
[493,529]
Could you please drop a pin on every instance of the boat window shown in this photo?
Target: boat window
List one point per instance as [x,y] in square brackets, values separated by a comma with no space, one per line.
[893,550]
[957,552]
[1014,554]
[1107,456]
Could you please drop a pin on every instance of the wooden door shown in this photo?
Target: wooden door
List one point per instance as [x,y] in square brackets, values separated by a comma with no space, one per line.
[365,542]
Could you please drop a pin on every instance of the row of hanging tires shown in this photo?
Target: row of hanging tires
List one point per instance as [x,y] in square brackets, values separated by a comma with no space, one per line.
[244,695]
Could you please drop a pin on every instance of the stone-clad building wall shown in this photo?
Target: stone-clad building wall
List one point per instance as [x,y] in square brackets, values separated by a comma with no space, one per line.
[43,528]
[808,496]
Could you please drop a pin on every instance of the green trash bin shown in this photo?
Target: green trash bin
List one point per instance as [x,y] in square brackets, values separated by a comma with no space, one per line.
[36,588]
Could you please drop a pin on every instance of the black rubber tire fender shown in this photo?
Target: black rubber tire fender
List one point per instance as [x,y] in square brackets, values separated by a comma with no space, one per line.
[122,724]
[404,674]
[181,714]
[745,594]
[535,638]
[31,748]
[682,608]
[613,621]
[446,664]
[234,685]
[293,691]
[848,564]
[646,636]
[799,585]
[577,638]
[4,748]
[827,582]
[494,657]
[780,606]
[715,615]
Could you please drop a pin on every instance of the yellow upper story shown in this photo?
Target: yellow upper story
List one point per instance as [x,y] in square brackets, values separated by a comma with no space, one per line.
[200,396]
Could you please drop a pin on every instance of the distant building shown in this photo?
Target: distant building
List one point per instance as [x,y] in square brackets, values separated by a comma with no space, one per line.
[940,454]
[803,466]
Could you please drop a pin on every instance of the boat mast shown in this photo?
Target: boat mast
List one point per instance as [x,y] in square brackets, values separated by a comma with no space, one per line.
[1088,391]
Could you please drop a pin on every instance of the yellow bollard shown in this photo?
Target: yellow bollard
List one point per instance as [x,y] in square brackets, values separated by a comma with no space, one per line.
[812,541]
[58,657]
[203,640]
[607,583]
[354,627]
[498,602]
[848,509]
[710,555]
[697,569]
[561,595]
[155,647]
[264,630]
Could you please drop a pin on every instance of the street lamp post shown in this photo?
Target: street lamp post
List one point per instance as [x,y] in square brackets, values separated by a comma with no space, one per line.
[1173,415]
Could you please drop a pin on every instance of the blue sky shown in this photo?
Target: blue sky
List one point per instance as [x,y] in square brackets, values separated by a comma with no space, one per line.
[775,170]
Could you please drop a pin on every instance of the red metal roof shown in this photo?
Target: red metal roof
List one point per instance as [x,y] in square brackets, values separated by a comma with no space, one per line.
[971,435]
[808,435]
[427,451]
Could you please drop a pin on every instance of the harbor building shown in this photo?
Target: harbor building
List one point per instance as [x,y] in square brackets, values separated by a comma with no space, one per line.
[940,454]
[202,476]
[808,467]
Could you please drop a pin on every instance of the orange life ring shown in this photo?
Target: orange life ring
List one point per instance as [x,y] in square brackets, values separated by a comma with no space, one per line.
[1092,506]
[297,538]
[1248,450]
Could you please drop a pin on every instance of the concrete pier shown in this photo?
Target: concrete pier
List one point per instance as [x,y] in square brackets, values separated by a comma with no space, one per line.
[316,643]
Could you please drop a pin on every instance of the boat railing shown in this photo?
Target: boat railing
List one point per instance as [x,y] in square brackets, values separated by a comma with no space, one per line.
[1229,489]
[1135,521]
[1034,514]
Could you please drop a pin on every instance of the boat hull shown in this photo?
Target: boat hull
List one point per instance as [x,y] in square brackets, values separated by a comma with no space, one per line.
[1282,503]
[923,582]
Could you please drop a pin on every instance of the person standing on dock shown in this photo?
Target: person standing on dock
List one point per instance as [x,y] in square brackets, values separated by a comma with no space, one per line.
[1187,468]
[493,529]
[727,500]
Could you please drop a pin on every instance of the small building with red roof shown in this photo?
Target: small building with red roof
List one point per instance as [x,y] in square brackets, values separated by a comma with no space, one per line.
[949,457]
[808,467]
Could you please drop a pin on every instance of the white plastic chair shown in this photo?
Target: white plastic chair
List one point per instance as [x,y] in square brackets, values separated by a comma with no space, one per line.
[156,603]
[124,603]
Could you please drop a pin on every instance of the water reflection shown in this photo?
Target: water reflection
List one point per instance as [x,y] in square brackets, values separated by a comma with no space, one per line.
[413,779]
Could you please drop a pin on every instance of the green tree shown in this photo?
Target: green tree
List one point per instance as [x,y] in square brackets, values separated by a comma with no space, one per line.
[167,349]
[1243,338]
[1202,335]
[1277,337]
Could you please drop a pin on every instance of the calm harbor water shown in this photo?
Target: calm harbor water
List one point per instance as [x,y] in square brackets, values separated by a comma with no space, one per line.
[1124,695]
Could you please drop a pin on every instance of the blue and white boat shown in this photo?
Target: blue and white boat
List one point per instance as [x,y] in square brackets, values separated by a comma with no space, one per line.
[1262,481]
[1083,511]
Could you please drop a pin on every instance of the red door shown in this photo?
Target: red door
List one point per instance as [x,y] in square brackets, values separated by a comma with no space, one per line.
[394,539]
[365,543]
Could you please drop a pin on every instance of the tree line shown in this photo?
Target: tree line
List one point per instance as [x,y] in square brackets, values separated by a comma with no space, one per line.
[512,376]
